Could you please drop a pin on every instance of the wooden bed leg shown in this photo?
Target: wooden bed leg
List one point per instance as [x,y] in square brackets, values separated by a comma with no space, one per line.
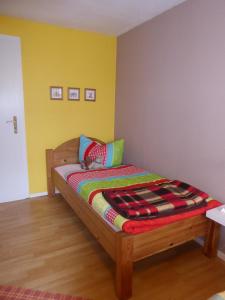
[124,266]
[211,239]
[49,165]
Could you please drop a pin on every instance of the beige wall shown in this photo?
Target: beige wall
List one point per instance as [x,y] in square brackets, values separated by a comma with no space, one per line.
[170,95]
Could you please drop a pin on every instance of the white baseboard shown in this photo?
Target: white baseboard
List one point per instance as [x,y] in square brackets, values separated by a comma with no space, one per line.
[220,254]
[14,200]
[33,195]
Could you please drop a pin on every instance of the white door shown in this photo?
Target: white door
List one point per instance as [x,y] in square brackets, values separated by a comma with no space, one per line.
[13,160]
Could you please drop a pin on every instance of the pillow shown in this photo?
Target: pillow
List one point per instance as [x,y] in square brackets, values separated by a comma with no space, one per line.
[87,146]
[111,154]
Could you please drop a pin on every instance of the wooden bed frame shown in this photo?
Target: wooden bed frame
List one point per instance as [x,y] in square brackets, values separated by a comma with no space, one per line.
[125,249]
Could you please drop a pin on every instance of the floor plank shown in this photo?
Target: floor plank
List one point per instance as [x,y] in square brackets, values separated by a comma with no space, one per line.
[43,245]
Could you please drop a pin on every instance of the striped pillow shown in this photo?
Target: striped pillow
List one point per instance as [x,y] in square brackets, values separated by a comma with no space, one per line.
[111,153]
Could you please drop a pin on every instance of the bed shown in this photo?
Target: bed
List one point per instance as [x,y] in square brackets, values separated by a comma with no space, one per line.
[125,248]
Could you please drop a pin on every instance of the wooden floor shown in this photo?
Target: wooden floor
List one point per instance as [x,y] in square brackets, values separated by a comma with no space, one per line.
[44,246]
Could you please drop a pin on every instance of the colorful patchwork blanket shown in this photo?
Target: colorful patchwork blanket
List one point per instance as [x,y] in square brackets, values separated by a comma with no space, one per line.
[92,183]
[155,200]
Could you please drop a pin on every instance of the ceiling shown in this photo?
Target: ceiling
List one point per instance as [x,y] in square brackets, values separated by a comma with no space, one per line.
[112,17]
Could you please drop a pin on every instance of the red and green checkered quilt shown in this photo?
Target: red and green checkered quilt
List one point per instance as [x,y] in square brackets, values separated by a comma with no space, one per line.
[155,200]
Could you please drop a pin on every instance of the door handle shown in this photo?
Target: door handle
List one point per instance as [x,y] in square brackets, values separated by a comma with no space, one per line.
[14,121]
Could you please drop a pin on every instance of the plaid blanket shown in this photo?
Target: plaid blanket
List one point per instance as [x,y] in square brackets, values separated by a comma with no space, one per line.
[155,200]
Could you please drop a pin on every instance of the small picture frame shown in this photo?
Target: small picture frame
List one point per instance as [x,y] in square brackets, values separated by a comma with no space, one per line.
[56,93]
[73,94]
[90,94]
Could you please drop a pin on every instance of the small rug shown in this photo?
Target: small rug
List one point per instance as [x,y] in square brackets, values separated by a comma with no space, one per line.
[15,293]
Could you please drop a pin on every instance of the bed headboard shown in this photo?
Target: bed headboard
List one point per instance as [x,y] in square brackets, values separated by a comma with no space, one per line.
[66,153]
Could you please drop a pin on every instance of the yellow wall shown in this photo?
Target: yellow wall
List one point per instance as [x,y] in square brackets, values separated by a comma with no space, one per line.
[53,55]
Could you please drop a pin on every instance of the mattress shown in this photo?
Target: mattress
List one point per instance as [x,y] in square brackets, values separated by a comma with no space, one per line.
[65,170]
[90,185]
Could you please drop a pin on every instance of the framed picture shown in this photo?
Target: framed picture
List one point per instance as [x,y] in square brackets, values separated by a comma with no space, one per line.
[73,94]
[56,92]
[89,94]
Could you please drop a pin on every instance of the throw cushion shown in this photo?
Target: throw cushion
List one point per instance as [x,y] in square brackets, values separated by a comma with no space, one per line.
[111,154]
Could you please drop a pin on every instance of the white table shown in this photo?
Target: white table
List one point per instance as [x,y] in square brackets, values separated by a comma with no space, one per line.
[217,214]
